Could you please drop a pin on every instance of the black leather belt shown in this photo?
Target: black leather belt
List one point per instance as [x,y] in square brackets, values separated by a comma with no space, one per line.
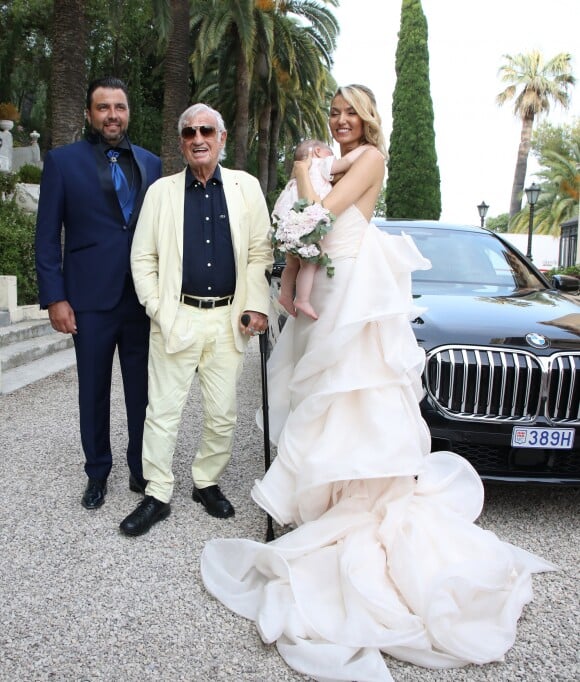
[206,302]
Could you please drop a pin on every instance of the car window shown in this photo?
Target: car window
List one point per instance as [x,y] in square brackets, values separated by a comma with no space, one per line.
[473,260]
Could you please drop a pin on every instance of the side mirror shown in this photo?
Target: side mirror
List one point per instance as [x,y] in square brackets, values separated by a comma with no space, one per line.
[566,283]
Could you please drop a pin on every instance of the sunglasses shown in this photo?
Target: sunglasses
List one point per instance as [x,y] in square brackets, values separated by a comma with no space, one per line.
[189,132]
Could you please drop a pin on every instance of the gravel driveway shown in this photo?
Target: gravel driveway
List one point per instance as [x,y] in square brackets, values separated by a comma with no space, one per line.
[80,601]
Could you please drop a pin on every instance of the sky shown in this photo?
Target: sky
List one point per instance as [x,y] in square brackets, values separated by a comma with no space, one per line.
[476,140]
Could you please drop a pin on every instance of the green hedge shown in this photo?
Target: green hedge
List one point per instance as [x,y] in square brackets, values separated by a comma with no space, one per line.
[17,250]
[30,173]
[7,183]
[573,270]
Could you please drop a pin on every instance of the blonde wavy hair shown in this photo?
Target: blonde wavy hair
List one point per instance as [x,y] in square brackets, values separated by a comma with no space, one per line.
[363,101]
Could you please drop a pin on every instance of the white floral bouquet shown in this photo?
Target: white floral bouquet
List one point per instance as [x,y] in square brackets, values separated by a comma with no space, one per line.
[301,231]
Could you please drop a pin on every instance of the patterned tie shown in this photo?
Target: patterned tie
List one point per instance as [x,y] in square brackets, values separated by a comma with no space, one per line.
[124,193]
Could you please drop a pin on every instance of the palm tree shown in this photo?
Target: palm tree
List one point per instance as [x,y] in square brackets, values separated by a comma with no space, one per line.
[559,198]
[229,24]
[68,79]
[287,73]
[533,85]
[173,23]
[295,42]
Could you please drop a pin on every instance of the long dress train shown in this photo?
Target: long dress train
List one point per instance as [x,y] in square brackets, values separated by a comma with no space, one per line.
[384,555]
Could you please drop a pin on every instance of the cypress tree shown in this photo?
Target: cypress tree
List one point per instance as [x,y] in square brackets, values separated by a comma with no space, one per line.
[413,185]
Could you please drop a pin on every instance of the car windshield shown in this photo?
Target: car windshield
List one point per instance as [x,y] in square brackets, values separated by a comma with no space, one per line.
[470,260]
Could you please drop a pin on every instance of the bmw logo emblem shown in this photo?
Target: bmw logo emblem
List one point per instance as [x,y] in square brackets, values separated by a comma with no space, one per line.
[537,340]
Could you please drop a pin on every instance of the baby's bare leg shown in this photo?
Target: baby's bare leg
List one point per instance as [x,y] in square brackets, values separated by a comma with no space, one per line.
[287,284]
[304,283]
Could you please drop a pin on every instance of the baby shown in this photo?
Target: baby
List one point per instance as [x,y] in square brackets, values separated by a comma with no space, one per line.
[299,274]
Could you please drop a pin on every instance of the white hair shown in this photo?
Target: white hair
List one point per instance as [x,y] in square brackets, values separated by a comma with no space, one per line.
[195,109]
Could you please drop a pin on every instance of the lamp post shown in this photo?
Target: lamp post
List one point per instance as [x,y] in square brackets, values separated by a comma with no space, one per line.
[532,192]
[482,210]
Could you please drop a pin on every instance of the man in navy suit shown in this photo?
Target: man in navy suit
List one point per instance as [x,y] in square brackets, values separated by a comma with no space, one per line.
[85,281]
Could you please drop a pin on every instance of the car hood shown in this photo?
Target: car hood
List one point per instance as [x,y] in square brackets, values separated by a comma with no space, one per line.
[479,318]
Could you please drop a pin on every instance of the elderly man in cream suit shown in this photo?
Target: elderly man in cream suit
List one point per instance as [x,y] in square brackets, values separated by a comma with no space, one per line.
[200,256]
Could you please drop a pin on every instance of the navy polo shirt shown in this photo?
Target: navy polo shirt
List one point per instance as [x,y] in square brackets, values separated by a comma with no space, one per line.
[209,267]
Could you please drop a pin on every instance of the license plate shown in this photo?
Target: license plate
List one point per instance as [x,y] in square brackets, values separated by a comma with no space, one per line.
[555,439]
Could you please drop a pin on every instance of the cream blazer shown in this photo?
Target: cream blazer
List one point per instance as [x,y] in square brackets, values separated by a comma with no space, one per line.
[157,254]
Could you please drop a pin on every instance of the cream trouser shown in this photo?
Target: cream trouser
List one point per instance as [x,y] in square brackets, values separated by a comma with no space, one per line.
[219,365]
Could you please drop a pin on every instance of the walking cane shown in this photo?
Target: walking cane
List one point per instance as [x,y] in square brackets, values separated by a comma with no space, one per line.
[245,319]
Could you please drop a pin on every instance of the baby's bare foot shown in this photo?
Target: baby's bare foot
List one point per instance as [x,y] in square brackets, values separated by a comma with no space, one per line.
[288,304]
[306,308]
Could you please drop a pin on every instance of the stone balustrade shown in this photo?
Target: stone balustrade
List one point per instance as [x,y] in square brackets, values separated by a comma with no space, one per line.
[13,158]
[26,196]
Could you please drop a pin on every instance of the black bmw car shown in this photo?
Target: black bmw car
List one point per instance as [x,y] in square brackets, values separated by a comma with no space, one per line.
[502,343]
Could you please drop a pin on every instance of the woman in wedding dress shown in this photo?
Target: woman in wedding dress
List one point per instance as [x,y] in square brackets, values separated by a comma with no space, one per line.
[383,555]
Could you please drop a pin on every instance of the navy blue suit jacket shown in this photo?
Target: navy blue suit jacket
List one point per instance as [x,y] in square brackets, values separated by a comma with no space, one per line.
[89,268]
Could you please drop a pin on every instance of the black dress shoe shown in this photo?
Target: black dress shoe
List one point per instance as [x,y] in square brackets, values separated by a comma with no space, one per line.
[94,495]
[214,501]
[137,485]
[149,511]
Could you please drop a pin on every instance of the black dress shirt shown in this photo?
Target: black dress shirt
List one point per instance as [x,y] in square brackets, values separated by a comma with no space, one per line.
[209,267]
[126,160]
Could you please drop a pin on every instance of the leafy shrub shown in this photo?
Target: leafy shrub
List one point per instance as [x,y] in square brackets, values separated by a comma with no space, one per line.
[573,270]
[8,112]
[499,223]
[7,182]
[29,173]
[20,136]
[17,252]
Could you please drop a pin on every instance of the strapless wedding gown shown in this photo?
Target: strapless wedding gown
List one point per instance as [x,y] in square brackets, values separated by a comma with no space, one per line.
[384,555]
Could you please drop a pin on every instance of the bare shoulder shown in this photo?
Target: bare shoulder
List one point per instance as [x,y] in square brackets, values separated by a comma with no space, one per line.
[371,162]
[372,155]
